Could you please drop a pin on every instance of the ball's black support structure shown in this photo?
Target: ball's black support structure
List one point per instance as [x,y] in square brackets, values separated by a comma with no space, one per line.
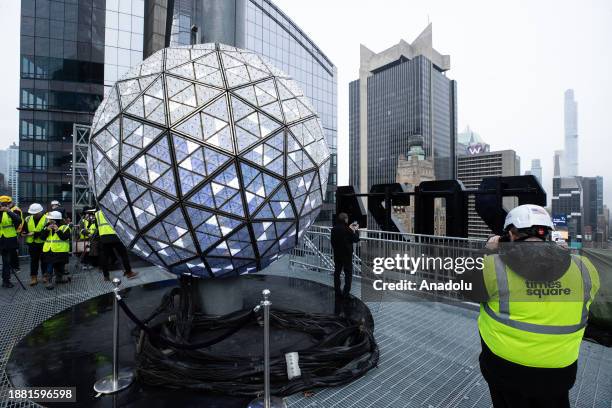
[74,347]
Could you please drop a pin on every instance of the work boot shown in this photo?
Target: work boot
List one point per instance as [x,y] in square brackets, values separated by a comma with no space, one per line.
[130,274]
[45,278]
[34,281]
[63,279]
[7,285]
[49,284]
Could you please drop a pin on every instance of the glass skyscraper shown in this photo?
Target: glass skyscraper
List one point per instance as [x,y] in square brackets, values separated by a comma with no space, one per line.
[62,83]
[71,50]
[401,93]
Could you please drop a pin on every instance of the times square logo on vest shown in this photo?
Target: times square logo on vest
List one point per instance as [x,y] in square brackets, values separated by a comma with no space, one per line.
[552,288]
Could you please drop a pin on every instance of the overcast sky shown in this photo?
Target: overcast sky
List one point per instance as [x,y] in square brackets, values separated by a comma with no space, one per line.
[512,61]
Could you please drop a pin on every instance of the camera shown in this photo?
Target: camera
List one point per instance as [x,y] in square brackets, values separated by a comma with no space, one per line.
[504,237]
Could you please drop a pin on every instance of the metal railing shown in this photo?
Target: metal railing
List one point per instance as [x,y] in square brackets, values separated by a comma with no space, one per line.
[314,252]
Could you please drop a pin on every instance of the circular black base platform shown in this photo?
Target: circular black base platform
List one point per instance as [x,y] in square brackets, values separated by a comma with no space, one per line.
[74,348]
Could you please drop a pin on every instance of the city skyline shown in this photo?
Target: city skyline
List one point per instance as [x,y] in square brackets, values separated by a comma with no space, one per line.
[507,90]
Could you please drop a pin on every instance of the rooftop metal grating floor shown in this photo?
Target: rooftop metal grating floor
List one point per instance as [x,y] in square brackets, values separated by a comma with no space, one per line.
[429,351]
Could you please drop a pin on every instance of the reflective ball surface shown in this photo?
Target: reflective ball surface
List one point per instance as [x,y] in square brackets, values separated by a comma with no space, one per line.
[207,160]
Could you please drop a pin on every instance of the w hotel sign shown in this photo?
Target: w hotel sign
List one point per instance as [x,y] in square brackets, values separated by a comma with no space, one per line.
[476,148]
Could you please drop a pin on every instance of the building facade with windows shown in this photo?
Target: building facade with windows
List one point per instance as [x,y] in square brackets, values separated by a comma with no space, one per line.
[536,169]
[9,165]
[71,50]
[402,92]
[567,201]
[472,169]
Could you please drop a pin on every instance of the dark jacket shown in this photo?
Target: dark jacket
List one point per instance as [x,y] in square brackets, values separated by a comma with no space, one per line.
[10,243]
[56,257]
[342,240]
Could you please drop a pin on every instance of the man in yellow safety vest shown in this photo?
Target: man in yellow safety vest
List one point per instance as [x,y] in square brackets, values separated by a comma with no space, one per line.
[109,241]
[14,254]
[9,222]
[87,232]
[533,313]
[56,247]
[32,229]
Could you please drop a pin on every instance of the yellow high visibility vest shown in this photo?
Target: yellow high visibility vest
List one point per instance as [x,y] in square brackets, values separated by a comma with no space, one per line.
[34,226]
[53,242]
[89,226]
[7,229]
[104,228]
[536,324]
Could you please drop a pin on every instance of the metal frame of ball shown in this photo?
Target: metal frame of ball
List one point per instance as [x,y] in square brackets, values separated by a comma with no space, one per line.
[204,266]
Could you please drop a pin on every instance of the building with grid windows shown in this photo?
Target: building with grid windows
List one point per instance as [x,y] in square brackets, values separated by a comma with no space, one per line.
[72,50]
[9,164]
[472,169]
[536,170]
[580,200]
[567,201]
[401,92]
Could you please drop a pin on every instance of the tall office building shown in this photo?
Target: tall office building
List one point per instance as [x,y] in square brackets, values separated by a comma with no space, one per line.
[472,169]
[260,26]
[401,92]
[567,202]
[9,165]
[570,153]
[592,206]
[557,163]
[71,49]
[536,169]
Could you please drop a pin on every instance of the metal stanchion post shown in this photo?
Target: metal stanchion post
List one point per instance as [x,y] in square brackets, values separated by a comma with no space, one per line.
[267,401]
[118,380]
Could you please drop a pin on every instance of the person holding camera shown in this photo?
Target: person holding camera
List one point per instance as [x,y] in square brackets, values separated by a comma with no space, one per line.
[32,229]
[15,253]
[87,232]
[9,222]
[56,248]
[343,236]
[109,242]
[533,312]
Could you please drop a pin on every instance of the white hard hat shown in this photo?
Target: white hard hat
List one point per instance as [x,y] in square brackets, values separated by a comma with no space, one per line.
[35,208]
[54,215]
[55,202]
[528,215]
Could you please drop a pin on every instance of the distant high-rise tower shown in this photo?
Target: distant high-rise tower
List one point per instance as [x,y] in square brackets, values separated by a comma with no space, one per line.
[9,164]
[570,154]
[536,169]
[557,161]
[402,92]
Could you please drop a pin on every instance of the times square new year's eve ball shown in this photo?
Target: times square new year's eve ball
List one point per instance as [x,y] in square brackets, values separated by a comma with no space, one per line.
[208,160]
